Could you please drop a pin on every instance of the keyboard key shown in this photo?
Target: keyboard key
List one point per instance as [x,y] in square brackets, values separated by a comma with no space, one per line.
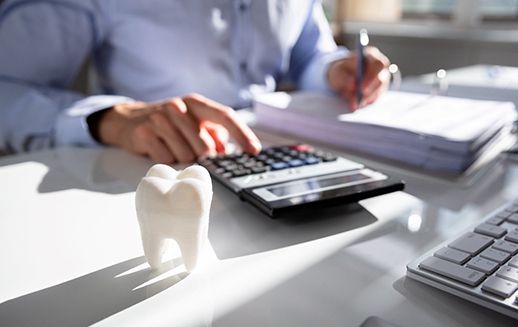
[495,255]
[451,270]
[513,262]
[512,236]
[452,255]
[506,246]
[509,273]
[486,266]
[513,218]
[503,214]
[471,243]
[499,286]
[491,230]
[495,220]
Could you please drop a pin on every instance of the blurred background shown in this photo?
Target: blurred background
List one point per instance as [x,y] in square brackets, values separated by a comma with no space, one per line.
[421,36]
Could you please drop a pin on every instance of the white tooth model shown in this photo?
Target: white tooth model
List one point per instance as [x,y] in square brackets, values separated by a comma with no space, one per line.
[174,205]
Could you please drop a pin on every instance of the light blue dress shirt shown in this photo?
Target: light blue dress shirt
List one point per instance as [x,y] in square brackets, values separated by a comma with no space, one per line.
[148,50]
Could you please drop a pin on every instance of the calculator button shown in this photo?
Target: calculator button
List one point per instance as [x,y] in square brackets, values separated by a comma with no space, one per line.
[311,160]
[219,170]
[302,148]
[329,157]
[278,155]
[240,172]
[231,167]
[223,163]
[295,163]
[279,165]
[259,170]
[227,175]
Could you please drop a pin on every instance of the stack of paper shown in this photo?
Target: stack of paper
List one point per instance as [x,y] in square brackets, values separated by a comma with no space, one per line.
[433,132]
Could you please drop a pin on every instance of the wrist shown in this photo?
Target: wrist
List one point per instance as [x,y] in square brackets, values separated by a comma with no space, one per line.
[110,126]
[331,75]
[94,121]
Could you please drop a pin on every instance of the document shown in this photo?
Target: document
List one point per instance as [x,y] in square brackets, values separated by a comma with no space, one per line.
[433,132]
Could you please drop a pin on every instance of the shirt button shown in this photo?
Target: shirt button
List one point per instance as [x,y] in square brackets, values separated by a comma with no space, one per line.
[243,6]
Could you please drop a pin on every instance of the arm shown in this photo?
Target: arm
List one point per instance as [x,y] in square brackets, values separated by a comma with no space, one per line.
[313,52]
[318,64]
[43,46]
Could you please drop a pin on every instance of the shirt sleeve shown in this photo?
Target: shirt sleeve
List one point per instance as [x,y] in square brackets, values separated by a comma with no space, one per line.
[44,44]
[314,50]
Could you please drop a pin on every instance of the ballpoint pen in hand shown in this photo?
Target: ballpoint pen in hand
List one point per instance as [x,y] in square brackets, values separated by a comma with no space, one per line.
[362,42]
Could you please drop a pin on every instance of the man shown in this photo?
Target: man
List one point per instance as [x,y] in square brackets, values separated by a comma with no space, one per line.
[145,51]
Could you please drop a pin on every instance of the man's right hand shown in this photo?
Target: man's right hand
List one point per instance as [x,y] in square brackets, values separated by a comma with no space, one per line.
[176,130]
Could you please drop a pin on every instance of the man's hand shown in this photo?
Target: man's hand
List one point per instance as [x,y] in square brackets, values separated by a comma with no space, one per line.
[341,77]
[176,130]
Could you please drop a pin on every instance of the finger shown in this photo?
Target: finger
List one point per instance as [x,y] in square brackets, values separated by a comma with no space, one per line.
[207,110]
[172,138]
[341,73]
[219,135]
[349,94]
[381,81]
[146,142]
[159,152]
[375,63]
[200,141]
[372,97]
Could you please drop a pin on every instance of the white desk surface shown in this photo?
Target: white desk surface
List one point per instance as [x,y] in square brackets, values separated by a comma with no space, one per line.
[70,252]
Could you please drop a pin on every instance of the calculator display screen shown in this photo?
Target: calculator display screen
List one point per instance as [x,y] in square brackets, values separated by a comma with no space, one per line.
[315,184]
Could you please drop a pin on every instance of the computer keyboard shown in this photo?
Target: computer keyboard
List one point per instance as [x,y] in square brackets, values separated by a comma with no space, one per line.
[481,265]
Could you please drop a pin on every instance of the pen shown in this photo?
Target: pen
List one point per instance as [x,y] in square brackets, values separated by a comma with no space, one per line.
[362,42]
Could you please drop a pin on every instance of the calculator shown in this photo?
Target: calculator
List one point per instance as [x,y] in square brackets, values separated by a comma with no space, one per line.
[283,179]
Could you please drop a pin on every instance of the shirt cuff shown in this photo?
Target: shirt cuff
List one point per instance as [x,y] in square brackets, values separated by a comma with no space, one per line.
[314,77]
[71,127]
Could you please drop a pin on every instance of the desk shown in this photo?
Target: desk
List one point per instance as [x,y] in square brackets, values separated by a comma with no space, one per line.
[70,251]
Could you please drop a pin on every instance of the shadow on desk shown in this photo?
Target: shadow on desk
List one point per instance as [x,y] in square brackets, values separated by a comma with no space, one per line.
[90,298]
[105,170]
[239,229]
[448,308]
